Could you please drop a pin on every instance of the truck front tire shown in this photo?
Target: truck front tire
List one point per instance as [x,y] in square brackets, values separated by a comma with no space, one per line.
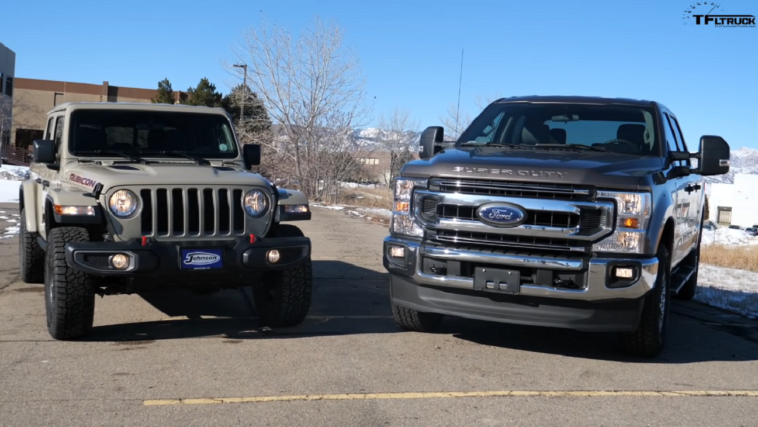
[69,294]
[649,338]
[31,256]
[416,321]
[283,298]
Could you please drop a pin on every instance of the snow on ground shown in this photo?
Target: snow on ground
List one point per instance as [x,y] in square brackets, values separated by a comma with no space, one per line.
[728,237]
[14,173]
[729,289]
[9,191]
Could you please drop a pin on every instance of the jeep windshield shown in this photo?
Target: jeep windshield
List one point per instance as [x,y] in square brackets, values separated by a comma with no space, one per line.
[588,128]
[140,133]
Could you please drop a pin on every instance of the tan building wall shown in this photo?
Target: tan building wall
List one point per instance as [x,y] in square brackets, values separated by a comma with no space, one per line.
[35,98]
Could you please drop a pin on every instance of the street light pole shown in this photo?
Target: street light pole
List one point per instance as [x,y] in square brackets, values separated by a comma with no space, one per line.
[244,87]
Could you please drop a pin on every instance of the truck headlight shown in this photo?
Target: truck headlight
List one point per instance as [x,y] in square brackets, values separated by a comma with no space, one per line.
[123,203]
[633,214]
[402,217]
[255,202]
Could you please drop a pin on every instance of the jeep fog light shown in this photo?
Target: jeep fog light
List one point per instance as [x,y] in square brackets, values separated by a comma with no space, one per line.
[119,261]
[273,256]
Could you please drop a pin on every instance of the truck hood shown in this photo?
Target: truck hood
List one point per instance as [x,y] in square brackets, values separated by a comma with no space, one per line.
[86,176]
[557,167]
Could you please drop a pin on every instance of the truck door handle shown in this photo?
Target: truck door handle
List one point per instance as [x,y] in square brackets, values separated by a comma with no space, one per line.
[38,180]
[690,188]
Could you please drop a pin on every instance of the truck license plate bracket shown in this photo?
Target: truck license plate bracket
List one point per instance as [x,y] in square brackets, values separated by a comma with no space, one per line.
[497,280]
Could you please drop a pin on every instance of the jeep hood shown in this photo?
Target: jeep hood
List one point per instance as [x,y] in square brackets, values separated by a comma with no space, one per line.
[86,176]
[554,166]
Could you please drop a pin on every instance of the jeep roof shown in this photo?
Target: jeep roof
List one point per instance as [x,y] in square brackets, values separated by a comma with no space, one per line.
[136,106]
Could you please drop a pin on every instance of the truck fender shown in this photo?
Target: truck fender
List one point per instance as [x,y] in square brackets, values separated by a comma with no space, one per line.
[658,221]
[28,201]
[288,198]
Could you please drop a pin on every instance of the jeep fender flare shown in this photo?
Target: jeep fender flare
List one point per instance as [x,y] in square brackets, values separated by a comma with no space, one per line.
[65,197]
[27,200]
[287,198]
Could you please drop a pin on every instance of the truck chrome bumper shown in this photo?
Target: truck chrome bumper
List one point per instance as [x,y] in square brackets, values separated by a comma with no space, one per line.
[596,271]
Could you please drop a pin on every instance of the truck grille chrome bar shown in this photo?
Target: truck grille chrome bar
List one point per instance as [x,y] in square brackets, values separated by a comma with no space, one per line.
[513,189]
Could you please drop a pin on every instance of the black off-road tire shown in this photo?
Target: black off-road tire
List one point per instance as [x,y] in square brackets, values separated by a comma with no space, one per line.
[649,339]
[283,298]
[69,295]
[30,255]
[417,321]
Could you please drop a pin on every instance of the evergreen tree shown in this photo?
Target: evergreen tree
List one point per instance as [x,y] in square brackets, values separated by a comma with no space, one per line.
[256,120]
[707,209]
[204,94]
[165,93]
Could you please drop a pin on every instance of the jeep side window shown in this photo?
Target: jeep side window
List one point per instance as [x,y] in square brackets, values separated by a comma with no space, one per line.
[49,130]
[670,138]
[679,136]
[58,135]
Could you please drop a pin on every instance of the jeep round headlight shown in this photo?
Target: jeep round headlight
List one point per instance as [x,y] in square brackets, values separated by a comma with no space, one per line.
[255,202]
[123,203]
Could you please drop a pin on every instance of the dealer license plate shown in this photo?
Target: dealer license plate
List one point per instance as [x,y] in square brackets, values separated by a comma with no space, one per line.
[201,259]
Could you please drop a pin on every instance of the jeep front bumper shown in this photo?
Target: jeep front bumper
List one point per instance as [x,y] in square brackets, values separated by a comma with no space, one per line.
[168,258]
[591,300]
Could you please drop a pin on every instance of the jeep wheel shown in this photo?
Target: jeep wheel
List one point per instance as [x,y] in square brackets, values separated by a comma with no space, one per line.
[30,255]
[69,294]
[417,321]
[650,336]
[283,298]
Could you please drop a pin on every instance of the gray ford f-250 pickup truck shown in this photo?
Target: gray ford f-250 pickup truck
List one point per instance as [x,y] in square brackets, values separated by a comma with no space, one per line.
[572,212]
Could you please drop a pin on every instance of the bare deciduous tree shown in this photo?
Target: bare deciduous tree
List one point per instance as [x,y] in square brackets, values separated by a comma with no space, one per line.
[313,90]
[456,122]
[399,136]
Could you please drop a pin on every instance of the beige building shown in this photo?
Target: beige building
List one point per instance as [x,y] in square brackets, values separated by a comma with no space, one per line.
[34,98]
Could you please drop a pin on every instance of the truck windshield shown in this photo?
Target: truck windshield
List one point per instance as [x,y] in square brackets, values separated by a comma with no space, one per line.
[150,134]
[611,128]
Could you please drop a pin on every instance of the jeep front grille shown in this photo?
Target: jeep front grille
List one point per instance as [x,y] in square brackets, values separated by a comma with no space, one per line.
[192,212]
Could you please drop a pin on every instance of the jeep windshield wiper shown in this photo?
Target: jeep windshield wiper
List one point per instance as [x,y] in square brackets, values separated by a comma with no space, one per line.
[197,159]
[574,146]
[117,153]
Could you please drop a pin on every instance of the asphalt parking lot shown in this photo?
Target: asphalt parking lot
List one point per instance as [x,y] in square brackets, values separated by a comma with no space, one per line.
[191,360]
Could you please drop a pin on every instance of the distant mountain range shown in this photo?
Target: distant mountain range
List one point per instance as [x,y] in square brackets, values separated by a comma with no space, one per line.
[744,161]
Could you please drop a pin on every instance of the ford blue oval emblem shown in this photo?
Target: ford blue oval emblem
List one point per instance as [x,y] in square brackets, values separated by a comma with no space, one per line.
[502,214]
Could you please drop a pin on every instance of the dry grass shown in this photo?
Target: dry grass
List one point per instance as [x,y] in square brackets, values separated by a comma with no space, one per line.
[366,197]
[741,258]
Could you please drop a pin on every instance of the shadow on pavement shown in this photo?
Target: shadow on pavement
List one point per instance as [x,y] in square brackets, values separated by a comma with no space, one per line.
[350,300]
[690,340]
[347,299]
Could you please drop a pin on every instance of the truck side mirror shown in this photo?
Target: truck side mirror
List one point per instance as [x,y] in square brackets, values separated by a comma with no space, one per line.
[44,151]
[714,156]
[430,140]
[251,154]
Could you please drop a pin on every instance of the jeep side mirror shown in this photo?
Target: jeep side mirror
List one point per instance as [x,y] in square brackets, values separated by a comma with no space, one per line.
[44,151]
[430,140]
[714,156]
[251,154]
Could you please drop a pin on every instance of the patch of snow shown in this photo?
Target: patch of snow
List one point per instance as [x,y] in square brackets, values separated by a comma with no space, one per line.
[729,289]
[335,207]
[14,173]
[12,230]
[9,191]
[356,214]
[4,217]
[728,237]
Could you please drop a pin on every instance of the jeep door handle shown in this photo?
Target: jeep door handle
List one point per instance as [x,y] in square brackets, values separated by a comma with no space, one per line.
[690,188]
[38,180]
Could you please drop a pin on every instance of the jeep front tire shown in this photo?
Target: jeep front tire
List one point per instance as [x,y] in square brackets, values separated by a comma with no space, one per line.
[69,294]
[283,298]
[30,255]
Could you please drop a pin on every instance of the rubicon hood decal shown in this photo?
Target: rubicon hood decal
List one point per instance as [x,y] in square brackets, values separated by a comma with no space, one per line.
[82,180]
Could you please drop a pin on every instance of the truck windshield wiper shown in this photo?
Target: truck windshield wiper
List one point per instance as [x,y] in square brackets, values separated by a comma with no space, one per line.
[574,146]
[197,159]
[117,153]
[489,144]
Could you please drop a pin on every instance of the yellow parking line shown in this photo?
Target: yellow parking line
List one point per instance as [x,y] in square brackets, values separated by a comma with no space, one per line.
[440,395]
